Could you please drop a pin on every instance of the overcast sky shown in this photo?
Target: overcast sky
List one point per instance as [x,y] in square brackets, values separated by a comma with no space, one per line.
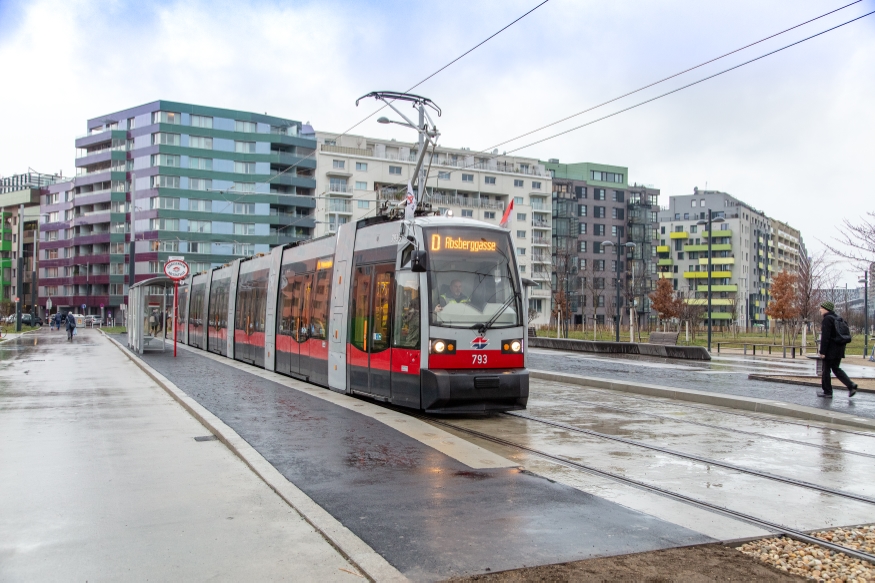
[791,134]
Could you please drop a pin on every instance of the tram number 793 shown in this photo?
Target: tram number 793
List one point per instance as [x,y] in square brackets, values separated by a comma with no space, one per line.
[478,359]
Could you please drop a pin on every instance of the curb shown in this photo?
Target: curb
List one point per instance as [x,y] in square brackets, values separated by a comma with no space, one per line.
[607,347]
[815,382]
[745,403]
[350,546]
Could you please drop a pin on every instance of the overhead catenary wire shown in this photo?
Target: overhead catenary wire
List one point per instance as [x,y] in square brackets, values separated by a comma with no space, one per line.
[664,79]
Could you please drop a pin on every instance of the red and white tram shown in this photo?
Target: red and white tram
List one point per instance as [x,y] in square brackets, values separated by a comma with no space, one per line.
[426,314]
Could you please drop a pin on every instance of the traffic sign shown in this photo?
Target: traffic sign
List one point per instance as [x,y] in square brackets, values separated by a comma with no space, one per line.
[176,269]
[17,299]
[101,305]
[49,304]
[83,306]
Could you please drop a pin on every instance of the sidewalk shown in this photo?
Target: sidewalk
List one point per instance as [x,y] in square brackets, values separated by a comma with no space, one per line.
[102,479]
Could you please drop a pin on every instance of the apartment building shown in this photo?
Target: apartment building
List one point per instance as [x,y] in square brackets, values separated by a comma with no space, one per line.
[743,247]
[356,173]
[789,247]
[594,203]
[205,183]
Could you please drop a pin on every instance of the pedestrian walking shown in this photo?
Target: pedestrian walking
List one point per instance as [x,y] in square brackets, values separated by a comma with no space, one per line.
[59,319]
[51,323]
[71,327]
[834,336]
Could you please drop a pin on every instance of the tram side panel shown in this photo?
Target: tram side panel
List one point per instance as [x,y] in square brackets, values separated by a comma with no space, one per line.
[251,310]
[232,301]
[197,315]
[220,288]
[340,293]
[270,320]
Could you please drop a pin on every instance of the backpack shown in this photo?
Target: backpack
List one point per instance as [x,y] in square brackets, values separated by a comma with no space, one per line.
[843,332]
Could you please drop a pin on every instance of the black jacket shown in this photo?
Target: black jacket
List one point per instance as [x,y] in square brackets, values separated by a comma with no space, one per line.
[831,349]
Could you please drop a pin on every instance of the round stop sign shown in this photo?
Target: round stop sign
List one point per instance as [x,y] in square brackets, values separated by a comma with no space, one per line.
[176,269]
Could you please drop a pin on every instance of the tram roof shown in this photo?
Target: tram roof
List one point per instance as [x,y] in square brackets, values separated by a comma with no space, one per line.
[456,222]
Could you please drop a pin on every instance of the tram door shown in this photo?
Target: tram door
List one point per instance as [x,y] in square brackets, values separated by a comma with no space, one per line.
[370,322]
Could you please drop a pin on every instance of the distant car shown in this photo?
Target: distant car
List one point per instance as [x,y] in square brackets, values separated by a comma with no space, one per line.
[91,320]
[25,320]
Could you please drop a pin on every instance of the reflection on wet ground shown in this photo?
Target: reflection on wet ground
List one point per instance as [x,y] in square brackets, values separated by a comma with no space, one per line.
[723,374]
[823,456]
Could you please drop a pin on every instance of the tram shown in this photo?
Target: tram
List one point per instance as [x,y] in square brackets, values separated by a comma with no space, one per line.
[426,313]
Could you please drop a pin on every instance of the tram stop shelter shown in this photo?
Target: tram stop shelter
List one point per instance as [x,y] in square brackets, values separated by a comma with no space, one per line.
[148,317]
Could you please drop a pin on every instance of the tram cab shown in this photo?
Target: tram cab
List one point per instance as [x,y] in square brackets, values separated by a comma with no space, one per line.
[435,316]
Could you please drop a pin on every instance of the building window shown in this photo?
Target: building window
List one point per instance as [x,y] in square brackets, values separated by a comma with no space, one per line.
[581,246]
[166,117]
[606,176]
[489,179]
[364,204]
[165,139]
[200,163]
[580,191]
[467,178]
[443,175]
[598,194]
[201,121]
[467,213]
[165,160]
[618,196]
[244,147]
[489,215]
[536,185]
[246,127]
[244,228]
[244,208]
[395,170]
[521,217]
[618,231]
[244,167]
[164,202]
[518,183]
[521,251]
[581,228]
[518,200]
[243,187]
[599,230]
[581,210]
[244,249]
[361,166]
[361,185]
[599,283]
[200,226]
[165,181]
[200,184]
[693,228]
[200,142]
[686,216]
[161,224]
[200,205]
[337,184]
[520,234]
[618,213]
[198,247]
[599,212]
[338,164]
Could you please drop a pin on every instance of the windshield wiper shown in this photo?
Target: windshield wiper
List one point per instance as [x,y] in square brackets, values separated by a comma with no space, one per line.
[482,328]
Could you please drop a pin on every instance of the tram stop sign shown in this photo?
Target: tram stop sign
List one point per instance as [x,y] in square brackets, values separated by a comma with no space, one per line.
[176,269]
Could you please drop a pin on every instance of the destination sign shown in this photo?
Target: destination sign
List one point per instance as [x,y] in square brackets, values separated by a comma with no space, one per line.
[439,243]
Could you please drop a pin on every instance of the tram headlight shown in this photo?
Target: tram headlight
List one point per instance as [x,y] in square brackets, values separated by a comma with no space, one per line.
[442,346]
[511,346]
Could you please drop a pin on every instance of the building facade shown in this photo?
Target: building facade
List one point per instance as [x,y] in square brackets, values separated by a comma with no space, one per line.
[356,173]
[205,183]
[592,204]
[743,258]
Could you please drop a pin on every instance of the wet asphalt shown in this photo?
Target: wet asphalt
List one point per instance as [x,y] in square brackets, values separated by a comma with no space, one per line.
[429,515]
[723,374]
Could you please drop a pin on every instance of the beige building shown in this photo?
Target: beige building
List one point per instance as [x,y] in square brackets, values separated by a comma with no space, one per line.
[355,173]
[788,246]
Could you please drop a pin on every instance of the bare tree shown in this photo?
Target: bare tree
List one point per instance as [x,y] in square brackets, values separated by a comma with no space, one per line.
[814,275]
[856,241]
[690,310]
[590,292]
[565,269]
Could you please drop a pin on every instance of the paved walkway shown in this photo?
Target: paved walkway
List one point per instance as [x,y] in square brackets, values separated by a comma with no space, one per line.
[102,479]
[723,374]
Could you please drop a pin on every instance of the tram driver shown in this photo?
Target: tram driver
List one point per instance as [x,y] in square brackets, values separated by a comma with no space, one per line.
[452,296]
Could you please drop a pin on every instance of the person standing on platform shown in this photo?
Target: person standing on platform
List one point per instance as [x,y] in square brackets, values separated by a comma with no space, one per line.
[832,350]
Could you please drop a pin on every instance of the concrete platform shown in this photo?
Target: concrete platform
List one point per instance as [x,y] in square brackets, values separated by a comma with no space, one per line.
[426,512]
[101,479]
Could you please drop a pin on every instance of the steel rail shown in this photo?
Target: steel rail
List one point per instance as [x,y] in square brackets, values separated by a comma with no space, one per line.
[722,428]
[767,525]
[700,459]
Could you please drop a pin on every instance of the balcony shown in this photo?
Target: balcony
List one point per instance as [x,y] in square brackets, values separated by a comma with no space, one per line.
[716,247]
[541,241]
[718,288]
[704,302]
[342,188]
[663,249]
[664,275]
[668,261]
[540,224]
[541,257]
[463,201]
[717,261]
[704,274]
[725,233]
[339,206]
[678,235]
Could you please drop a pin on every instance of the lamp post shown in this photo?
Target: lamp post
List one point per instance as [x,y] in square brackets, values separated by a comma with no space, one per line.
[709,223]
[619,247]
[865,282]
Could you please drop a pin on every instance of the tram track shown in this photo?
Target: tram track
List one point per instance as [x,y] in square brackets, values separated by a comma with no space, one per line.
[750,519]
[723,428]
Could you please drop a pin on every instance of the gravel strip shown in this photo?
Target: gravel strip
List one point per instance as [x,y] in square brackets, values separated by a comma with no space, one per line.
[818,563]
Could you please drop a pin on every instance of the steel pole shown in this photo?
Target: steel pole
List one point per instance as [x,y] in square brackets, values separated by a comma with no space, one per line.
[175,317]
[618,285]
[866,313]
[710,239]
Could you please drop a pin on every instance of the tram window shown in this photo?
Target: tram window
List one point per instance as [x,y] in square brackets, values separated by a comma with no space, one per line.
[304,330]
[381,321]
[361,290]
[284,317]
[321,304]
[407,313]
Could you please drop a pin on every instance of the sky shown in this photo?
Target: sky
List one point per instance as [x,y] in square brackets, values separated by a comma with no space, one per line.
[791,134]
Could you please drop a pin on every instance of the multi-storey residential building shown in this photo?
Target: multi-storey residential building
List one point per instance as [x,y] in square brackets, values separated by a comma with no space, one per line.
[594,203]
[355,173]
[205,183]
[789,247]
[743,255]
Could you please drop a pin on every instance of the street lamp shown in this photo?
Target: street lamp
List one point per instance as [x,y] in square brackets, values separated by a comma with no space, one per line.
[710,239]
[865,282]
[619,247]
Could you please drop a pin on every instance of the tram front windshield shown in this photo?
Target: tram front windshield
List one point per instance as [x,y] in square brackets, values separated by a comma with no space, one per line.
[472,278]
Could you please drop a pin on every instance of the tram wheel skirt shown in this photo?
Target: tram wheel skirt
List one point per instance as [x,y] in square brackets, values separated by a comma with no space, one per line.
[465,391]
